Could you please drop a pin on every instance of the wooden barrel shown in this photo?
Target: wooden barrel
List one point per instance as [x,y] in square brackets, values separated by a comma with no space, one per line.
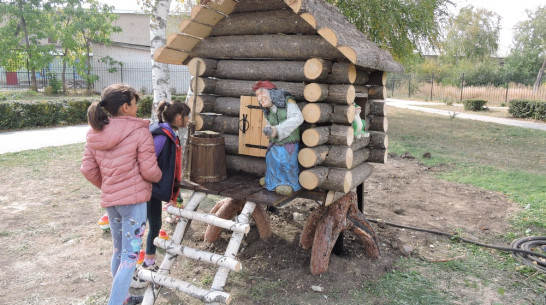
[208,158]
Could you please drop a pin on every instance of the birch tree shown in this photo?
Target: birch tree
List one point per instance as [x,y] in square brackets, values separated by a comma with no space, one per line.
[158,38]
[159,12]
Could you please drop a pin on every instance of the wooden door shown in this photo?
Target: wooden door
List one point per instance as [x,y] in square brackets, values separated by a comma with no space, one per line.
[252,141]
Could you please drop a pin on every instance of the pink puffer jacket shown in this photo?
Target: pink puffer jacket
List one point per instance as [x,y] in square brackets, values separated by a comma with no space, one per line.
[121,161]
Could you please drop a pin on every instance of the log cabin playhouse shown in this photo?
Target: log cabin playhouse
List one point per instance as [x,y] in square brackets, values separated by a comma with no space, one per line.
[309,49]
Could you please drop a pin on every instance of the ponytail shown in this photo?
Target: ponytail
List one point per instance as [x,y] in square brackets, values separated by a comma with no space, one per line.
[112,98]
[160,110]
[167,112]
[96,117]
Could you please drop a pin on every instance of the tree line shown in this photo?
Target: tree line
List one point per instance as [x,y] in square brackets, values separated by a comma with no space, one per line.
[34,32]
[464,43]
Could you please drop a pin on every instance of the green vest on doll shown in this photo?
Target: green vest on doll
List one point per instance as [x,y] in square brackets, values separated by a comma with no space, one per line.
[280,116]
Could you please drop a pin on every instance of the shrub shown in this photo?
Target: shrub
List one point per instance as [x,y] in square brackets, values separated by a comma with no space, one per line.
[75,111]
[474,105]
[528,109]
[19,114]
[54,83]
[145,106]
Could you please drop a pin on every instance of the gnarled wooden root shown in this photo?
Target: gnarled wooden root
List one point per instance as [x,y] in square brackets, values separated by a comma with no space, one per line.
[326,224]
[227,208]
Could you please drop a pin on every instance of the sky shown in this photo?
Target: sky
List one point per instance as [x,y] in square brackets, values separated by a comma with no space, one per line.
[511,12]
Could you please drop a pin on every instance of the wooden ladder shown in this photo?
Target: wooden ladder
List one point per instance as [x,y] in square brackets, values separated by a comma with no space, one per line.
[174,248]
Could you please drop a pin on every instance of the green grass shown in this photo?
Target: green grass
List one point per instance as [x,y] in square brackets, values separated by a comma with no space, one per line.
[499,158]
[404,287]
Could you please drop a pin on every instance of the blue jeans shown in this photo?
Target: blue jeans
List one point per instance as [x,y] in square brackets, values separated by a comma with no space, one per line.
[127,224]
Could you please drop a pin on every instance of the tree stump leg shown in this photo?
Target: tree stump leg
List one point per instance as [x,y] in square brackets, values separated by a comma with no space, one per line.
[308,233]
[328,223]
[262,222]
[227,208]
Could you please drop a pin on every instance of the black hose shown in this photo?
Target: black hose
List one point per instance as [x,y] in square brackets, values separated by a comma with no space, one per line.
[520,248]
[528,243]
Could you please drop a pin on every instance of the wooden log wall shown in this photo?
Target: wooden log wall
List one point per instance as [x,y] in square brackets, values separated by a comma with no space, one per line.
[268,41]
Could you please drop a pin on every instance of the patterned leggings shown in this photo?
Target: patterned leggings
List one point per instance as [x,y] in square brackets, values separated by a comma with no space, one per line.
[128,225]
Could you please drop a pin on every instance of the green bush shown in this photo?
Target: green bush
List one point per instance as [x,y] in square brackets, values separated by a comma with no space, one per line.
[75,111]
[528,109]
[25,114]
[474,105]
[145,106]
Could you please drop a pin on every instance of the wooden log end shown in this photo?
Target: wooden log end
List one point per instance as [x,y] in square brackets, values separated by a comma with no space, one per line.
[351,94]
[329,35]
[198,120]
[350,136]
[307,158]
[197,66]
[195,29]
[295,5]
[349,52]
[170,56]
[199,104]
[313,68]
[197,86]
[309,18]
[310,137]
[312,92]
[347,182]
[311,113]
[351,73]
[308,180]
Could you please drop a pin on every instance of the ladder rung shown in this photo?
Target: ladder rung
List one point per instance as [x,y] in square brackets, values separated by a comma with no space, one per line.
[205,296]
[203,256]
[211,220]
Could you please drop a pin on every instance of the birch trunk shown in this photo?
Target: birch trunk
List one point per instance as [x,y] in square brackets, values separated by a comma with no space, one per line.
[158,38]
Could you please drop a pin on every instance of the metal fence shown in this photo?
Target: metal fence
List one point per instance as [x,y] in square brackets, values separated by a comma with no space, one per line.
[427,88]
[136,74]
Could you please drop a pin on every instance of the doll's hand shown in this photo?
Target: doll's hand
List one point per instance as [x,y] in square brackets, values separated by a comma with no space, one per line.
[270,132]
[267,131]
[274,133]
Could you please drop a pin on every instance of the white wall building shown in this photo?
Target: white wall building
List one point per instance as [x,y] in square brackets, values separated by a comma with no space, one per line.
[132,48]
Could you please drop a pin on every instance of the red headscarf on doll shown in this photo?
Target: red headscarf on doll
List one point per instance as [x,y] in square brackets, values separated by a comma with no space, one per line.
[263,85]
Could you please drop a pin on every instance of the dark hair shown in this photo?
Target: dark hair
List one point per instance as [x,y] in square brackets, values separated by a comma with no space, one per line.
[111,99]
[167,112]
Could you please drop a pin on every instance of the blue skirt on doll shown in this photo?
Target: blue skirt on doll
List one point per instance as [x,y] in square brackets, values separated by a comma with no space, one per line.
[282,167]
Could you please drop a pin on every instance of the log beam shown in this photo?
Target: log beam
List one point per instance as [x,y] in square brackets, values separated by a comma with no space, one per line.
[238,88]
[259,5]
[246,164]
[336,93]
[326,155]
[324,113]
[262,22]
[334,179]
[292,47]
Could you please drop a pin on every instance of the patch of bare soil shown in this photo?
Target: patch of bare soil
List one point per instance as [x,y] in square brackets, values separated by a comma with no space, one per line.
[276,271]
[56,254]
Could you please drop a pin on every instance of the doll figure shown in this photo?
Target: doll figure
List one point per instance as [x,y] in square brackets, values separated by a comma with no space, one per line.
[283,120]
[359,125]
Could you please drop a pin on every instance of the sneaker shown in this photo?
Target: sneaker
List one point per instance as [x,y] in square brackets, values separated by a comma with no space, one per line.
[153,267]
[138,282]
[172,219]
[134,300]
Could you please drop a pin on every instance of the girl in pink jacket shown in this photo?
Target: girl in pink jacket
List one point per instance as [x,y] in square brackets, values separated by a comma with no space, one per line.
[119,159]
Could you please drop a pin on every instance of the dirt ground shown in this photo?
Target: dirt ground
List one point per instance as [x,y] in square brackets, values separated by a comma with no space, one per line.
[54,252]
